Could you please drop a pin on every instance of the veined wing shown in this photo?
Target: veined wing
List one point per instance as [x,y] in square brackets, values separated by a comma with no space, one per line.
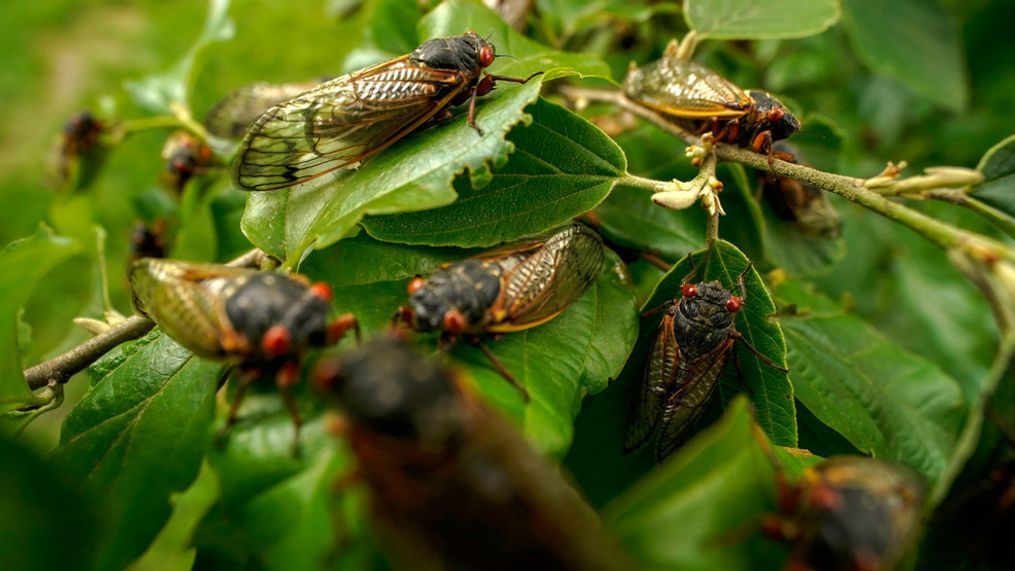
[685,89]
[237,110]
[660,371]
[341,122]
[553,277]
[694,383]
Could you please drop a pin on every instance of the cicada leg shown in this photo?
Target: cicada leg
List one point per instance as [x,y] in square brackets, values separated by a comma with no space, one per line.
[286,378]
[245,376]
[501,369]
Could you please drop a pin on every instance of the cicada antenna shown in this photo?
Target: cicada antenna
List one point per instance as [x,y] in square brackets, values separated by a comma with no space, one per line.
[506,55]
[740,280]
[694,269]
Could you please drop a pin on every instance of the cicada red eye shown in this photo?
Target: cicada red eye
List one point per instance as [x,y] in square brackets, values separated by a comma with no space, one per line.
[734,304]
[277,341]
[322,291]
[486,56]
[689,290]
[454,321]
[416,284]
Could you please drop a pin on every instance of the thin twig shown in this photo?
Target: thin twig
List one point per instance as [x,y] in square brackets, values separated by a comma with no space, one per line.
[61,368]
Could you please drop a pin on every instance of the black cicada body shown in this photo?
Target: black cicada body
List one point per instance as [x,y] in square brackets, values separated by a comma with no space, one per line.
[341,122]
[508,289]
[148,240]
[452,485]
[260,321]
[80,150]
[700,101]
[803,205]
[849,513]
[690,351]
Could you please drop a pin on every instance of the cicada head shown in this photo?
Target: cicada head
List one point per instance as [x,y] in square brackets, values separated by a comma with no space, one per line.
[704,317]
[389,388]
[857,513]
[456,298]
[467,52]
[774,117]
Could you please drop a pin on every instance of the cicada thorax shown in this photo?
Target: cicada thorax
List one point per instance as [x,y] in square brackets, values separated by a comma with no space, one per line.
[699,101]
[687,358]
[228,313]
[850,513]
[451,483]
[803,205]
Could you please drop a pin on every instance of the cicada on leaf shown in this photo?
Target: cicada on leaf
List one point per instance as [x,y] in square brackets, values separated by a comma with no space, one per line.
[261,322]
[692,345]
[342,122]
[508,289]
[848,513]
[802,204]
[453,485]
[700,101]
[237,110]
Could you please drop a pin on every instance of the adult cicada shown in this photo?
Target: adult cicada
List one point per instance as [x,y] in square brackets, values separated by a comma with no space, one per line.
[185,157]
[341,122]
[80,151]
[261,322]
[802,204]
[688,355]
[848,513]
[700,101]
[451,484]
[507,289]
[236,112]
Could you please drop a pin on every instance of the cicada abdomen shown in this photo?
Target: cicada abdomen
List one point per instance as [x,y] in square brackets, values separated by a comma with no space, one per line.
[341,122]
[699,101]
[451,484]
[259,321]
[509,289]
[849,513]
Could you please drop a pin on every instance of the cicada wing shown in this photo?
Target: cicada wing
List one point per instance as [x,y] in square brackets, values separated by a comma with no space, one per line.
[693,385]
[685,89]
[660,370]
[237,110]
[340,123]
[553,277]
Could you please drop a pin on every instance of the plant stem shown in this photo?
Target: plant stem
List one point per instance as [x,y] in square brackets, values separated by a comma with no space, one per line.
[61,368]
[146,123]
[646,183]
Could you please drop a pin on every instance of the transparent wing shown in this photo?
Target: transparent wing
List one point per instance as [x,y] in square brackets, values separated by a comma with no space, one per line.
[550,279]
[341,122]
[685,89]
[236,112]
[694,383]
[660,371]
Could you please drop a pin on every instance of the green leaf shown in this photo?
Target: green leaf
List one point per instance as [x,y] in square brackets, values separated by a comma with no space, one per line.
[24,262]
[197,238]
[160,93]
[885,400]
[171,550]
[138,435]
[913,41]
[454,17]
[714,489]
[746,19]
[414,174]
[45,522]
[561,167]
[998,168]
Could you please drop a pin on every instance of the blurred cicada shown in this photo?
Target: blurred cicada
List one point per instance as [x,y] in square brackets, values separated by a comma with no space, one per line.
[260,321]
[452,484]
[236,112]
[688,355]
[508,289]
[149,240]
[348,119]
[80,150]
[849,513]
[803,205]
[185,157]
[699,101]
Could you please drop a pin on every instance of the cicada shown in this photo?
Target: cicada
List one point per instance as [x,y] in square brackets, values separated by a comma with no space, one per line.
[849,513]
[236,112]
[802,204]
[700,101]
[687,358]
[148,240]
[185,157]
[348,119]
[261,322]
[79,152]
[509,289]
[452,485]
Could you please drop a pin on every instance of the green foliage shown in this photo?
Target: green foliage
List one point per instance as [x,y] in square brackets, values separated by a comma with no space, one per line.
[891,351]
